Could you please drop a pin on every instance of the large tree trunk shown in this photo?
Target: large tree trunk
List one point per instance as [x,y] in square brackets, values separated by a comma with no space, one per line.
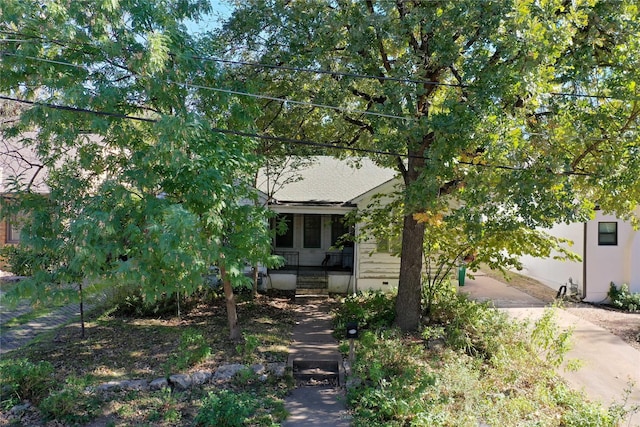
[232,314]
[409,301]
[408,304]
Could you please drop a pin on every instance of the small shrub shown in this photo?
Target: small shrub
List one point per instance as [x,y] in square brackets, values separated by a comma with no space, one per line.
[23,380]
[372,310]
[474,327]
[225,409]
[129,301]
[192,349]
[622,298]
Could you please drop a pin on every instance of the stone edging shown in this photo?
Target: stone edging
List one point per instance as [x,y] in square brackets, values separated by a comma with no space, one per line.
[198,378]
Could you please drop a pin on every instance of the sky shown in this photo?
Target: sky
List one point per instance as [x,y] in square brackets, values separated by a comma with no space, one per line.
[221,10]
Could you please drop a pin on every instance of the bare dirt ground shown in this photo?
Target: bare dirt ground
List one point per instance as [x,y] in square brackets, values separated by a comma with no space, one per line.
[623,324]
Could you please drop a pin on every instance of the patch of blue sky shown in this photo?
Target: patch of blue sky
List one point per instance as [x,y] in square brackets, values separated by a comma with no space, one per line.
[220,10]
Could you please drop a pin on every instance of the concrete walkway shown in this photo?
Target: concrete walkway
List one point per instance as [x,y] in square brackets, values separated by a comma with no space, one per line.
[610,366]
[15,337]
[315,406]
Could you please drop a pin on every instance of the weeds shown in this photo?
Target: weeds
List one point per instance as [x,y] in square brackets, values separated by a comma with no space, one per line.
[484,371]
[247,350]
[72,404]
[193,348]
[22,379]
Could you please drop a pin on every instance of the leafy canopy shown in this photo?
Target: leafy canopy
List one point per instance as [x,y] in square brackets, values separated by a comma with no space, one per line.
[143,191]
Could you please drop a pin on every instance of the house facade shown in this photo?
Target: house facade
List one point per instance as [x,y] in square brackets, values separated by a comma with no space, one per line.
[314,207]
[610,251]
[18,162]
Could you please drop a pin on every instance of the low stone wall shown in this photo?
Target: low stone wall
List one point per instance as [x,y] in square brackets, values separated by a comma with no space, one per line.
[223,374]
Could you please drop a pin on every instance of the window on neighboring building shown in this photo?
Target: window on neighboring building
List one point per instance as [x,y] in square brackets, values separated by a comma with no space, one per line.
[607,233]
[312,231]
[13,232]
[284,223]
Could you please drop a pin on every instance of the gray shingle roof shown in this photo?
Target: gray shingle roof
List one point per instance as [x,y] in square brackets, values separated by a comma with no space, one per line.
[330,180]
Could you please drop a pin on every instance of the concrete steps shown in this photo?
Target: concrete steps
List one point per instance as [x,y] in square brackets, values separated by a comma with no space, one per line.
[315,372]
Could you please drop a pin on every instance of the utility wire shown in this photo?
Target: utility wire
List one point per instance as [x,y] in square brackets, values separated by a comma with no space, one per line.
[338,73]
[328,72]
[305,142]
[234,92]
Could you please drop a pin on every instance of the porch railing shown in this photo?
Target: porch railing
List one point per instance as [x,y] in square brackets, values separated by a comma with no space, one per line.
[291,260]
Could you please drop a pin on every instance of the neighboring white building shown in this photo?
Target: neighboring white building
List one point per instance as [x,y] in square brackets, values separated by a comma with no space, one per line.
[314,206]
[610,252]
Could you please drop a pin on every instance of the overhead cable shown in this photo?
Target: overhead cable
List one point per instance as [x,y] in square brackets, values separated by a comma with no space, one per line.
[278,138]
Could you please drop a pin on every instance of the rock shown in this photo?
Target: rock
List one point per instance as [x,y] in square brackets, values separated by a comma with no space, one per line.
[181,381]
[19,409]
[159,384]
[353,382]
[135,385]
[109,386]
[226,372]
[258,369]
[277,369]
[201,377]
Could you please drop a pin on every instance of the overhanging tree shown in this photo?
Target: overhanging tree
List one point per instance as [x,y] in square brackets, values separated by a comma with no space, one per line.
[524,112]
[144,189]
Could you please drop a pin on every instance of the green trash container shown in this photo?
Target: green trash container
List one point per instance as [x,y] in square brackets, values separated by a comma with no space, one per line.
[462,272]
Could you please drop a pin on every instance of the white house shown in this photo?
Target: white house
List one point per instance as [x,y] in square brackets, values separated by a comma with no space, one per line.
[610,252]
[314,207]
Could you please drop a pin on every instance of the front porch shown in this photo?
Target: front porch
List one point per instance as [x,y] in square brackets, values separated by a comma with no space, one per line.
[333,275]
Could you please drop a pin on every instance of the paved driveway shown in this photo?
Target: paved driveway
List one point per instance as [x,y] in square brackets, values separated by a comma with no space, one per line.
[610,365]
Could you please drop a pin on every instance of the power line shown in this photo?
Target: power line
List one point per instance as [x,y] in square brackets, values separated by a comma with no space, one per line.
[328,72]
[290,101]
[305,142]
[332,73]
[235,92]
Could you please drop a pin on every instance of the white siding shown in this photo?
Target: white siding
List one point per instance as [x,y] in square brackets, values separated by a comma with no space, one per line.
[375,270]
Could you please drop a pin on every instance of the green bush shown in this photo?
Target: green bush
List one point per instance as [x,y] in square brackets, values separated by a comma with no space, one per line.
[622,298]
[24,261]
[71,404]
[23,380]
[371,309]
[193,348]
[225,409]
[393,387]
[247,349]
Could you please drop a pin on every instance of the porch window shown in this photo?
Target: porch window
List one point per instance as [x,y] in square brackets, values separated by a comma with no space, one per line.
[338,229]
[285,239]
[607,233]
[312,231]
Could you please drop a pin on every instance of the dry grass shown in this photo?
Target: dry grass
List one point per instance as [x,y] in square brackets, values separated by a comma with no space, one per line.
[129,347]
[118,348]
